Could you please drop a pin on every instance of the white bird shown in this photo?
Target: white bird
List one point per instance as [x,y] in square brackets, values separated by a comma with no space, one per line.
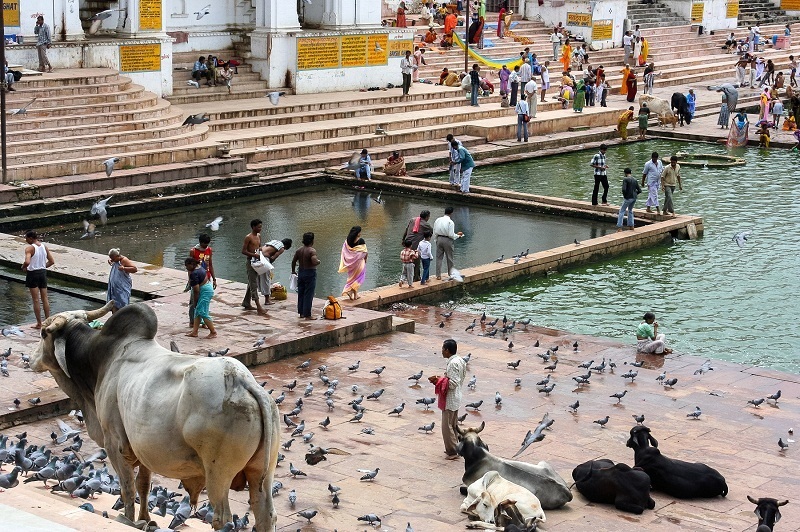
[99,209]
[109,165]
[353,163]
[214,224]
[275,96]
[378,47]
[203,12]
[13,330]
[88,230]
[740,238]
[97,19]
[193,83]
[22,110]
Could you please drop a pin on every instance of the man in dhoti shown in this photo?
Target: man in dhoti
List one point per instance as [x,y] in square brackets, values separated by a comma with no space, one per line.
[652,176]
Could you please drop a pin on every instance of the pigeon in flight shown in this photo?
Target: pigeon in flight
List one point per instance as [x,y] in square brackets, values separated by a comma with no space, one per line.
[740,238]
[88,230]
[704,368]
[200,14]
[109,165]
[195,120]
[99,209]
[214,224]
[275,96]
[534,436]
[12,331]
[193,83]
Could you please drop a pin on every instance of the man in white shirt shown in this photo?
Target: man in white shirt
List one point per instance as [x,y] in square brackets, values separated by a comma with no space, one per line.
[407,66]
[531,88]
[525,72]
[513,80]
[652,175]
[627,43]
[637,33]
[455,374]
[555,40]
[545,78]
[445,235]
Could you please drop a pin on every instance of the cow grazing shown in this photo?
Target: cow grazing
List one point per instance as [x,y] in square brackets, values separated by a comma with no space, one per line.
[205,421]
[540,479]
[487,500]
[767,511]
[604,482]
[683,480]
[657,106]
[681,107]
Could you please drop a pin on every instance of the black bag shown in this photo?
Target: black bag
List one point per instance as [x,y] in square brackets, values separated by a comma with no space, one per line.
[17,74]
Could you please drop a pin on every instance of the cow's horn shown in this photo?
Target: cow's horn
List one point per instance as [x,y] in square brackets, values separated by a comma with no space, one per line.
[783,503]
[92,315]
[749,498]
[479,429]
[55,323]
[459,430]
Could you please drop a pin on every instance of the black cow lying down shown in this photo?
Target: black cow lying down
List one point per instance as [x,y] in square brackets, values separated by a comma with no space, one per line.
[602,481]
[682,480]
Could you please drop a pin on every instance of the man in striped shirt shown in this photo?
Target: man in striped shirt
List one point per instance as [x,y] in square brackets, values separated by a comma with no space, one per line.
[600,174]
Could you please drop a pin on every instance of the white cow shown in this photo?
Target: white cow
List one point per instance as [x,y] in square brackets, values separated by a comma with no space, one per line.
[661,108]
[202,420]
[491,490]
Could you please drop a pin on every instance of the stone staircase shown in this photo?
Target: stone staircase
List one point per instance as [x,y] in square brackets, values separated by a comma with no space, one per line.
[760,12]
[652,15]
[82,117]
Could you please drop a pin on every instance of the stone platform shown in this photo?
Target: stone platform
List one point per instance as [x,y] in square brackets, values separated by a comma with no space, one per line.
[417,485]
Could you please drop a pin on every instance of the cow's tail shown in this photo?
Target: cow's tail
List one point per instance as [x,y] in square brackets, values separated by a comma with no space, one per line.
[270,422]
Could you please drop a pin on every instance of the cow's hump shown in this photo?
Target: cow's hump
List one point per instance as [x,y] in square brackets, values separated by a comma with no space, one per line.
[133,321]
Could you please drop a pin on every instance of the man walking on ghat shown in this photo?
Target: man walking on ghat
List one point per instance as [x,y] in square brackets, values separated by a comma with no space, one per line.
[652,175]
[448,390]
[43,40]
[670,177]
[600,174]
[250,249]
[445,235]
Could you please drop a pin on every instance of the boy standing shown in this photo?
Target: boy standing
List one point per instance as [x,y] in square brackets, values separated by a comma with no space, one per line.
[37,259]
[670,177]
[466,163]
[407,257]
[424,249]
[630,191]
[250,249]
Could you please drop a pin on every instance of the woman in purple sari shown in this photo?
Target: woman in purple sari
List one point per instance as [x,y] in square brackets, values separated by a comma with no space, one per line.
[354,262]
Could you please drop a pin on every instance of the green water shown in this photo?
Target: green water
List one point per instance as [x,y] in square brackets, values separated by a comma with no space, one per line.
[17,308]
[711,297]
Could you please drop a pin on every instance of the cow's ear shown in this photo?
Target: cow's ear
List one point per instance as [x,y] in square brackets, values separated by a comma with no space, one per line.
[653,441]
[632,443]
[60,347]
[459,447]
[777,516]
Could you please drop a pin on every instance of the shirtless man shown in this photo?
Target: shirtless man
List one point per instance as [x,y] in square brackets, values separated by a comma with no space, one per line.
[250,249]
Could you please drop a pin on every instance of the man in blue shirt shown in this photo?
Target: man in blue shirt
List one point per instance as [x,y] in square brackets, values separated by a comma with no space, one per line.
[652,175]
[201,70]
[467,164]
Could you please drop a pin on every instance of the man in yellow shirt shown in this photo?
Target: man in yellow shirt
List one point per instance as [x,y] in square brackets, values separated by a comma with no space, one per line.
[670,177]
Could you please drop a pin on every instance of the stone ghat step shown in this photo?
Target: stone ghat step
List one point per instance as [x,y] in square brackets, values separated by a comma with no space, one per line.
[47,132]
[187,146]
[219,95]
[24,89]
[220,88]
[33,119]
[182,86]
[131,92]
[189,58]
[143,100]
[161,134]
[76,191]
[184,70]
[288,161]
[81,76]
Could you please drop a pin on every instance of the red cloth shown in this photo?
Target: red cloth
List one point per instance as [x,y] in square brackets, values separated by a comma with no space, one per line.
[418,219]
[441,391]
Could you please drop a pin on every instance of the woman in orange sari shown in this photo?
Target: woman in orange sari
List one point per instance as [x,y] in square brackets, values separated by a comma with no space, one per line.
[354,262]
[566,55]
[450,22]
[401,15]
[623,90]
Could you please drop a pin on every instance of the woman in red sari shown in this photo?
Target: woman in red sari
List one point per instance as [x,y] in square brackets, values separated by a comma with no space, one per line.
[631,85]
[501,21]
[401,15]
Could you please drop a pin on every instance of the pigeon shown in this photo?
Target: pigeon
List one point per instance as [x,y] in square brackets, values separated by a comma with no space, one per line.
[102,15]
[287,444]
[335,500]
[782,444]
[581,380]
[493,323]
[630,375]
[13,330]
[87,506]
[10,480]
[704,368]
[670,382]
[399,408]
[574,406]
[368,430]
[499,259]
[305,364]
[378,371]
[193,83]
[510,345]
[295,472]
[774,397]
[517,382]
[446,315]
[576,242]
[35,400]
[472,383]
[214,224]
[354,367]
[428,428]
[375,394]
[586,365]
[756,402]
[200,14]
[333,489]
[357,417]
[275,96]
[181,513]
[474,406]
[696,414]
[369,475]
[280,398]
[307,514]
[109,165]
[299,429]
[534,436]
[17,402]
[498,399]
[639,419]
[547,389]
[99,209]
[441,325]
[545,381]
[552,367]
[637,364]
[483,317]
[740,238]
[194,120]
[462,418]
[661,377]
[544,356]
[526,322]
[416,377]
[471,326]
[309,390]
[291,385]
[67,432]
[513,365]
[260,341]
[408,527]
[467,358]
[356,401]
[602,422]
[370,518]
[427,401]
